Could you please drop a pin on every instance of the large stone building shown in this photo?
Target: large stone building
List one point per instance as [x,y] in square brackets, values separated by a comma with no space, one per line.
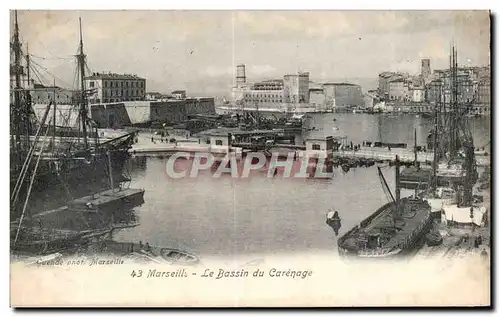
[484,92]
[317,98]
[296,88]
[342,95]
[117,115]
[291,92]
[426,69]
[294,93]
[399,90]
[110,87]
[43,95]
[384,80]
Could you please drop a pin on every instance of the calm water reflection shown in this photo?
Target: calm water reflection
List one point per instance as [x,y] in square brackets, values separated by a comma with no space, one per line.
[234,216]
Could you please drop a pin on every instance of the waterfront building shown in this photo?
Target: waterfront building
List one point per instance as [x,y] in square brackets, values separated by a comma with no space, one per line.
[296,88]
[342,95]
[484,92]
[291,93]
[41,94]
[121,114]
[178,94]
[384,80]
[417,94]
[111,87]
[153,96]
[398,90]
[320,145]
[317,98]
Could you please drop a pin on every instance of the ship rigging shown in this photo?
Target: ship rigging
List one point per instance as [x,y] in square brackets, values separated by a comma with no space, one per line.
[46,175]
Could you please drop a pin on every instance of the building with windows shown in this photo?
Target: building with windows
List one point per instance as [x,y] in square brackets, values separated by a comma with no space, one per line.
[110,87]
[417,94]
[178,94]
[399,90]
[484,92]
[294,93]
[291,92]
[384,80]
[41,94]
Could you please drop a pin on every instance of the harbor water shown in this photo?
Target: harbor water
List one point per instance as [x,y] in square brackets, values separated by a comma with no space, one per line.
[259,215]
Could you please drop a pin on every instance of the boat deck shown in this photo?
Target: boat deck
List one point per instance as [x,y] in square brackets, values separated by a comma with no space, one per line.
[105,197]
[414,216]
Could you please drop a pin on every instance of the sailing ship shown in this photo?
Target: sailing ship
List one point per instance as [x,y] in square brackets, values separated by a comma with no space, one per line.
[46,176]
[453,166]
[48,169]
[397,228]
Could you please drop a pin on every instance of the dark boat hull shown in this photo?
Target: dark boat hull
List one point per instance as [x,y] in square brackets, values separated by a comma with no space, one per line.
[409,245]
[55,185]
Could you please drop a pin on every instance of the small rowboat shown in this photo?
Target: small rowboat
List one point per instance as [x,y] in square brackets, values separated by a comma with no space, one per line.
[433,238]
[147,252]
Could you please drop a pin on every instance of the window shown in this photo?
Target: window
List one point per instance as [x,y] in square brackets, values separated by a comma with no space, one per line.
[91,84]
[105,84]
[316,147]
[218,142]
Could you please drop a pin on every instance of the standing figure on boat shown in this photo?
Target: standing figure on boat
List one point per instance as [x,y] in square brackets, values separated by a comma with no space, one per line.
[333,220]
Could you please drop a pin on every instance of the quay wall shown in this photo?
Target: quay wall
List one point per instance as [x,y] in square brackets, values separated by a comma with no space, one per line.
[121,114]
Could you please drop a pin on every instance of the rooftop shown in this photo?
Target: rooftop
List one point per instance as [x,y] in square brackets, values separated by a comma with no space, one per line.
[339,84]
[113,76]
[235,131]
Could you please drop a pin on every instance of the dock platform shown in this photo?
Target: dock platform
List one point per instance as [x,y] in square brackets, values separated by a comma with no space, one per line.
[405,155]
[108,200]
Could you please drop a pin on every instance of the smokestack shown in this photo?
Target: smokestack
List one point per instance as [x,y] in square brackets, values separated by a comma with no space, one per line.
[241,78]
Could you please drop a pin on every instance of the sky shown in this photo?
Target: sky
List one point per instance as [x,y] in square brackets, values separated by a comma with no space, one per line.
[198,50]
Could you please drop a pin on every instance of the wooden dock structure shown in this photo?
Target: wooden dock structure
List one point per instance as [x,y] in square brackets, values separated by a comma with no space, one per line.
[405,155]
[364,153]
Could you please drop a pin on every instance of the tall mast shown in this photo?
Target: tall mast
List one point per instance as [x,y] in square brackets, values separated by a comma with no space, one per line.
[398,188]
[27,109]
[83,101]
[28,66]
[415,149]
[54,119]
[16,46]
[434,143]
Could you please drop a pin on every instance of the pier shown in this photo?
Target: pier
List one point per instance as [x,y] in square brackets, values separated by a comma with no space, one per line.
[365,153]
[405,155]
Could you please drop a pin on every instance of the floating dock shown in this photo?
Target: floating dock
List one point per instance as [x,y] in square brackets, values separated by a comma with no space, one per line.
[109,200]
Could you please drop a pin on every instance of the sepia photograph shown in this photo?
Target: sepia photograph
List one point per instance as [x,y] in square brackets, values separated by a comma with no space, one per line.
[250,158]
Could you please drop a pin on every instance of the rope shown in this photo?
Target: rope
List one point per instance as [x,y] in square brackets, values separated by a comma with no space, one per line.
[29,189]
[52,75]
[27,161]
